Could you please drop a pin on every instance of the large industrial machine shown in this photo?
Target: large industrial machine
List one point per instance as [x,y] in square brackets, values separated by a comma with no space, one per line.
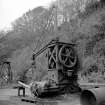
[63,68]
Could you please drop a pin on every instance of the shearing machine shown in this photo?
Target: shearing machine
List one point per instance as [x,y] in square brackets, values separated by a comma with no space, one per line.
[63,67]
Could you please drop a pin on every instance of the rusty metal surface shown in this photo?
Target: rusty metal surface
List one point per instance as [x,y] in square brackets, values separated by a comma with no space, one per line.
[94,96]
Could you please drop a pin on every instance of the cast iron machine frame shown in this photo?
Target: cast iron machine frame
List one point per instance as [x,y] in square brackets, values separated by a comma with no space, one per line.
[62,68]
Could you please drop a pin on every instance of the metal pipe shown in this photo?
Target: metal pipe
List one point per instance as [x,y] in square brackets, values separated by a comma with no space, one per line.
[23,84]
[94,96]
[42,49]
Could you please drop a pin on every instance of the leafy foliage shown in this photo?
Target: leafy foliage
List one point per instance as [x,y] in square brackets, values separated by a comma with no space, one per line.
[77,21]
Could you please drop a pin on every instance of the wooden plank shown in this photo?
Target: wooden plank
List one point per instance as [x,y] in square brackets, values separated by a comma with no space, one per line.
[39,100]
[92,84]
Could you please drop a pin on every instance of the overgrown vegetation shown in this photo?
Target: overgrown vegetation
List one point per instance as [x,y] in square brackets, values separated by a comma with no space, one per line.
[78,21]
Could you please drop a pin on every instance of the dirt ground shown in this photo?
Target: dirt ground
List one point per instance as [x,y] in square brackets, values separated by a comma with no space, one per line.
[9,97]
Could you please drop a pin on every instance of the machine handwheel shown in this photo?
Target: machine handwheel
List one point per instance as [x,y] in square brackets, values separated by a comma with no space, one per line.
[67,56]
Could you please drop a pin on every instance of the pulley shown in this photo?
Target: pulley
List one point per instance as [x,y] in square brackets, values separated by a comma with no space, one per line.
[67,56]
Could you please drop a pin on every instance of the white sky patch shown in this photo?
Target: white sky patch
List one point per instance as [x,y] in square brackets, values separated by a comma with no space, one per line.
[12,9]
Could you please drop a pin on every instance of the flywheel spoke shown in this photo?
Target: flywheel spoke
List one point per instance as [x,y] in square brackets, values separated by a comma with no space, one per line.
[66,60]
[67,56]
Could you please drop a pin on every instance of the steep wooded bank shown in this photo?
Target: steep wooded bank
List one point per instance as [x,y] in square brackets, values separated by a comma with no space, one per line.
[34,29]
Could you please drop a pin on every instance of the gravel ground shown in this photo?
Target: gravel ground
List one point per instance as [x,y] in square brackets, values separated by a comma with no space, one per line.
[9,97]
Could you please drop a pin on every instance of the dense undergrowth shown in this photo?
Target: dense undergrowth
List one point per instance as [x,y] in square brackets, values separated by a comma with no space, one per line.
[86,30]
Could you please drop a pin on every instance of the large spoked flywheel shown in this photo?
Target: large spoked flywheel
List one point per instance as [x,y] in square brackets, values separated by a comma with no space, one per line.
[67,56]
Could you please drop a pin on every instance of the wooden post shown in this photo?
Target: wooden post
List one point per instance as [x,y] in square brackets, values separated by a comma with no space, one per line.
[21,88]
